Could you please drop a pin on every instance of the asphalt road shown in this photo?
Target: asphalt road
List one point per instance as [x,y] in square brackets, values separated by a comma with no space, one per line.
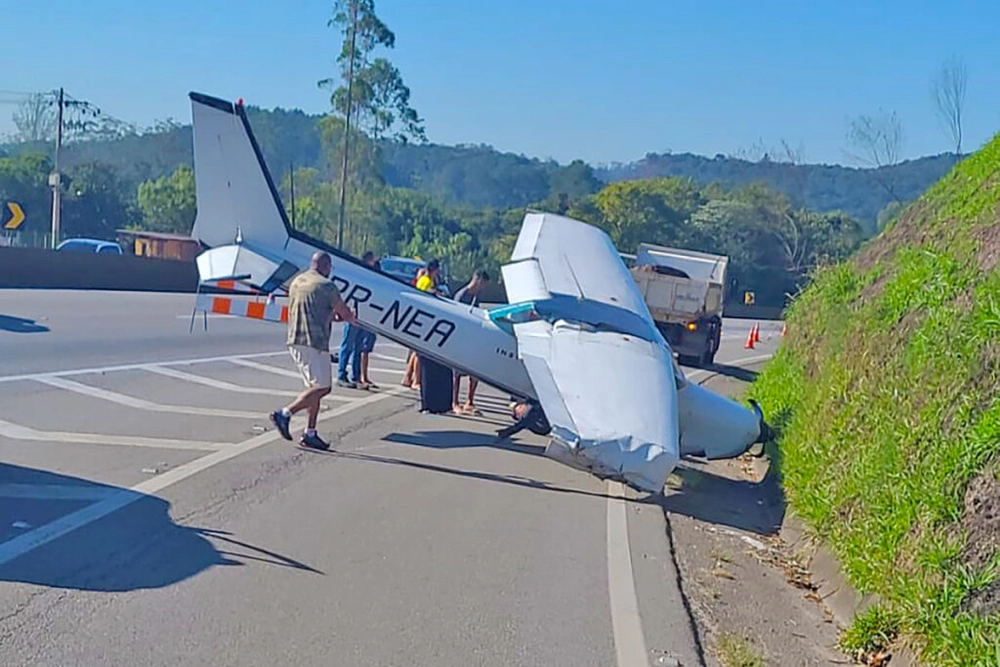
[150,515]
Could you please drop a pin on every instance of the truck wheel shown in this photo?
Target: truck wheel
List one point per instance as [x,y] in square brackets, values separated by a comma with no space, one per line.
[685,360]
[708,356]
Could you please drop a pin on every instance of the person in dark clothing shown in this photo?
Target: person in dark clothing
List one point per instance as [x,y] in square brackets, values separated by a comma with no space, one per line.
[529,415]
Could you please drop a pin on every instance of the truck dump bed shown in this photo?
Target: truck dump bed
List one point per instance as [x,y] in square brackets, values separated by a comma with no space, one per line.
[680,285]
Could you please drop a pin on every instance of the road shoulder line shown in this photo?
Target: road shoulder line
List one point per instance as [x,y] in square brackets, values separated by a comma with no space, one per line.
[626,623]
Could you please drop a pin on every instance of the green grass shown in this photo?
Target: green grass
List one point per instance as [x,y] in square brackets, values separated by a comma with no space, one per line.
[736,651]
[885,396]
[872,631]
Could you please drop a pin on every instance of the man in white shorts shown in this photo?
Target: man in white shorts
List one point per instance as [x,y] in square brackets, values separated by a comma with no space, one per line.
[313,303]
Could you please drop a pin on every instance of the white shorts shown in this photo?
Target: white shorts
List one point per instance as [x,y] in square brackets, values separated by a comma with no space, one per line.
[314,365]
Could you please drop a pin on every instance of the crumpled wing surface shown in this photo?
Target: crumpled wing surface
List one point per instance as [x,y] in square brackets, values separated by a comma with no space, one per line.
[610,399]
[610,394]
[575,259]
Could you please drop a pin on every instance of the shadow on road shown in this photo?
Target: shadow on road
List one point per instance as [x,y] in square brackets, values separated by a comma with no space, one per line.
[736,372]
[756,507]
[21,325]
[135,547]
[463,439]
[725,370]
[514,480]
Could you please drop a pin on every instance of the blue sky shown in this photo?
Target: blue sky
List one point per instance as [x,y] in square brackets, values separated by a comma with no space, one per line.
[596,80]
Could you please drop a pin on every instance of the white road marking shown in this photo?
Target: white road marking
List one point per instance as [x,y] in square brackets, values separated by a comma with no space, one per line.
[134,367]
[392,371]
[626,624]
[42,535]
[267,368]
[57,492]
[386,357]
[229,386]
[18,432]
[142,404]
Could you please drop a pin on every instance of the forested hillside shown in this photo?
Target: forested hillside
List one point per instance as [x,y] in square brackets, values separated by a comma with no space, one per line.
[775,217]
[480,176]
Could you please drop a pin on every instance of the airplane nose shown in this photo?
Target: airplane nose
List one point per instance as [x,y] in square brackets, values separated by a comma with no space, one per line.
[767,434]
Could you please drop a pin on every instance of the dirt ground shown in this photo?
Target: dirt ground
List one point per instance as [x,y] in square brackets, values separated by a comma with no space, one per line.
[753,604]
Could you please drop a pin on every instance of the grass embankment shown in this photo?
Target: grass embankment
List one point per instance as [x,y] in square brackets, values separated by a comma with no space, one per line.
[887,398]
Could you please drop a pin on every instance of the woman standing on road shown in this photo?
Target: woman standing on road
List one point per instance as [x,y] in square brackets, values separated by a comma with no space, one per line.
[426,282]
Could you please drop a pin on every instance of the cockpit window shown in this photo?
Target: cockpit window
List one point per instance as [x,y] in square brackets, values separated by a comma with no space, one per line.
[506,317]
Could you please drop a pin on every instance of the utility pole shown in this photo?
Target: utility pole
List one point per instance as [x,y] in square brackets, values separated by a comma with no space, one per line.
[291,185]
[347,125]
[55,178]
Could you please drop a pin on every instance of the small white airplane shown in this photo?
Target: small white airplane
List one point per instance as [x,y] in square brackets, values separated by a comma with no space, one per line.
[577,338]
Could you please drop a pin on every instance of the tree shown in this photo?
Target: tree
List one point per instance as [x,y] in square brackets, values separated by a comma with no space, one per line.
[575,180]
[35,119]
[168,204]
[948,91]
[24,179]
[655,210]
[374,89]
[96,205]
[878,140]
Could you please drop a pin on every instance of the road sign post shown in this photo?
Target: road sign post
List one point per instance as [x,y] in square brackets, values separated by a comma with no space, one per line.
[16,216]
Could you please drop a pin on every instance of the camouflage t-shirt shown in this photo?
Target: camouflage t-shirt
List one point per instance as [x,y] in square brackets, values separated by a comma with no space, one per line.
[311,300]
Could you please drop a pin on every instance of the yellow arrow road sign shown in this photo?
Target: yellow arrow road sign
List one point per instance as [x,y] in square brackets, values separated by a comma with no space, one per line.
[17,216]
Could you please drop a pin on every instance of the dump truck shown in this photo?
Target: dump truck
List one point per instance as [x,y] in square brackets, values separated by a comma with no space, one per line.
[685,291]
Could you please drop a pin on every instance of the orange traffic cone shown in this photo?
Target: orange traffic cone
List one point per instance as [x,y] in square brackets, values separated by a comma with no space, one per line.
[756,332]
[750,340]
[783,329]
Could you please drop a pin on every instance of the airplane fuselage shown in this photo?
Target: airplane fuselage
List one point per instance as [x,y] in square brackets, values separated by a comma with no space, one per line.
[450,332]
[239,209]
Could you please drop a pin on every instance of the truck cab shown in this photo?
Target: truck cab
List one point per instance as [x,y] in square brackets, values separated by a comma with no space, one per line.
[685,291]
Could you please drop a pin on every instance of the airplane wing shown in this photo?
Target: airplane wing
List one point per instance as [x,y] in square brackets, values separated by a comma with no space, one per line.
[575,259]
[601,371]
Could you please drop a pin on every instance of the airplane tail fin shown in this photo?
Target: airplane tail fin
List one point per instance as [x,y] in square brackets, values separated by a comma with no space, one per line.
[237,199]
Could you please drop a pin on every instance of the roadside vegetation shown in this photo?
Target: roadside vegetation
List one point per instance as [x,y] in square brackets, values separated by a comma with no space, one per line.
[885,392]
[736,651]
